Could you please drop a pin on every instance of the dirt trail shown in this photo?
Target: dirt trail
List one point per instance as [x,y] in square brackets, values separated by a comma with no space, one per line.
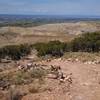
[86,79]
[85,83]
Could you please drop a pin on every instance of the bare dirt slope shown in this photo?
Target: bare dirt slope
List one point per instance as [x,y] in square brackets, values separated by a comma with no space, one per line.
[82,80]
[85,83]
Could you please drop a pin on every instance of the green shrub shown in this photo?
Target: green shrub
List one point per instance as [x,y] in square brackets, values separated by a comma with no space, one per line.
[15,52]
[54,48]
[38,73]
[89,42]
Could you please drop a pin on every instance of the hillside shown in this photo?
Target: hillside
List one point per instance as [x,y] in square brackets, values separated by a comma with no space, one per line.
[81,82]
[54,70]
[47,32]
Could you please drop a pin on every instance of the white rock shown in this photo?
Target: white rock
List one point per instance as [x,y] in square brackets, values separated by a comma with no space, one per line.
[69,59]
[77,60]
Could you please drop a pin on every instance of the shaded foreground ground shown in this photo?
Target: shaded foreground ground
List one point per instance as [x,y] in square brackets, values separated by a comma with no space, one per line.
[84,84]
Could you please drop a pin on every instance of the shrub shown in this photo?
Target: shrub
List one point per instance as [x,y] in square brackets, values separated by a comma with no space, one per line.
[38,73]
[89,42]
[18,78]
[54,48]
[15,52]
[21,77]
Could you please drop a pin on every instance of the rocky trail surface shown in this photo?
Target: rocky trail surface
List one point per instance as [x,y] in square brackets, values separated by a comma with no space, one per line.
[85,84]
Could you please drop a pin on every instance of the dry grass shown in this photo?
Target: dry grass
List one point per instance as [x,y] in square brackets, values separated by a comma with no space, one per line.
[82,56]
[22,77]
[44,33]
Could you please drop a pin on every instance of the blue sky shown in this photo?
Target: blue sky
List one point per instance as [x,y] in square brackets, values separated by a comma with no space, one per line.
[51,7]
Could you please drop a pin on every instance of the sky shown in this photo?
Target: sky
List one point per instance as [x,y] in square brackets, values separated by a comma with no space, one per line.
[50,7]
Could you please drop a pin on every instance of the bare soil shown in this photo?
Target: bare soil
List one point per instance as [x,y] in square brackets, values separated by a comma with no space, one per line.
[84,84]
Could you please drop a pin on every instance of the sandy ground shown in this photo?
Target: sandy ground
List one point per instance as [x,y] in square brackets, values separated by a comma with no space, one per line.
[85,83]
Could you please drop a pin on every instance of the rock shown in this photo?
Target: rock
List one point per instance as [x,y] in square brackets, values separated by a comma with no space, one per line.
[69,59]
[97,62]
[89,62]
[4,84]
[92,62]
[69,78]
[20,67]
[55,68]
[5,61]
[52,76]
[61,80]
[77,60]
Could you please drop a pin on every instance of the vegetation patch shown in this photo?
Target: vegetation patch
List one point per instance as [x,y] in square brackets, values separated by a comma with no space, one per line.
[88,42]
[15,52]
[38,73]
[82,56]
[54,48]
[22,77]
